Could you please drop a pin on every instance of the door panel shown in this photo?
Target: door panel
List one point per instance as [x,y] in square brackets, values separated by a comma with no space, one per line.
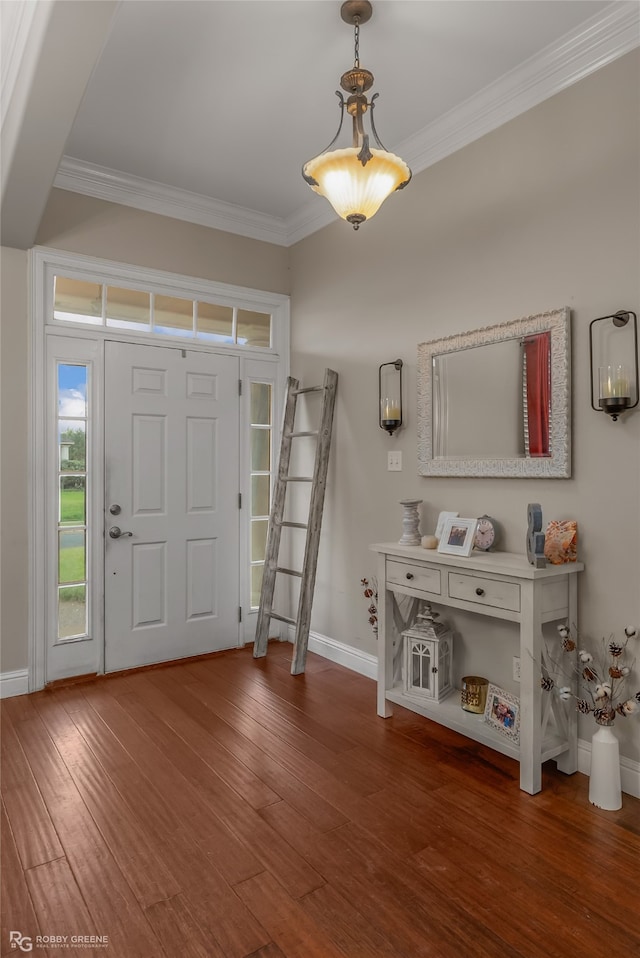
[171,462]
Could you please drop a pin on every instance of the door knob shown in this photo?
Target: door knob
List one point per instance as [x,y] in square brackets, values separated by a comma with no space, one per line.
[116,533]
[115,509]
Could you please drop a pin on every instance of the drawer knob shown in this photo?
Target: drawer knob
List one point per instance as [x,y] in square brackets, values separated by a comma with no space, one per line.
[409,575]
[479,591]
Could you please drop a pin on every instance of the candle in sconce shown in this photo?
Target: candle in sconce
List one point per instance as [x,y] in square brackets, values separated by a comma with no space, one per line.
[390,409]
[614,382]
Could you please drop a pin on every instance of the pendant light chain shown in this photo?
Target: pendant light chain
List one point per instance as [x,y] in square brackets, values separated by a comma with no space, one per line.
[356,31]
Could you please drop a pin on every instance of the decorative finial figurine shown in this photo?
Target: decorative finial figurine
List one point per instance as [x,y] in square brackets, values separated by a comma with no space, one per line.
[535,536]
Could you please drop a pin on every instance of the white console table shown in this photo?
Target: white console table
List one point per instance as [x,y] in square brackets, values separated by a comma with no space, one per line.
[499,584]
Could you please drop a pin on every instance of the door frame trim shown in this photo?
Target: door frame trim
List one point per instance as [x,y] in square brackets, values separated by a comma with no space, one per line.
[43,263]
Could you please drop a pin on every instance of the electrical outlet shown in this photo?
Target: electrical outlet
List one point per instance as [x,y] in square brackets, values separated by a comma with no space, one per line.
[516,668]
[394,461]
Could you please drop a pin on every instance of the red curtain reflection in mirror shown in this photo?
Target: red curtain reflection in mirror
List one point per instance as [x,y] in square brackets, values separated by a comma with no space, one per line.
[537,356]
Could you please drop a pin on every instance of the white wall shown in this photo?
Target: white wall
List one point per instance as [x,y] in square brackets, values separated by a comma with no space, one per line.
[542,213]
[94,227]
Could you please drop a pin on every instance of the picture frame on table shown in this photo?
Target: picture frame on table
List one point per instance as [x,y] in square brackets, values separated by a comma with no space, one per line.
[457,536]
[442,518]
[502,712]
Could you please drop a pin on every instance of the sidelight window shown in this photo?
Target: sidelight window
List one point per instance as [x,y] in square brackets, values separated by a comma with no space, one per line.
[261,451]
[72,477]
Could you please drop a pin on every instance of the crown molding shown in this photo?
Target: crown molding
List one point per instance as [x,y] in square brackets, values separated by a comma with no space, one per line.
[23,26]
[597,42]
[308,219]
[116,187]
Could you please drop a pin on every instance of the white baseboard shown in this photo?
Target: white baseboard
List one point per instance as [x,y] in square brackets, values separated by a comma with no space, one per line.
[367,665]
[361,662]
[629,770]
[14,683]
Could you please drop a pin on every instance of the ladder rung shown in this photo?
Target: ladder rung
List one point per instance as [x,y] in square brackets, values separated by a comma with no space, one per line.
[307,389]
[282,618]
[298,479]
[289,571]
[296,435]
[294,525]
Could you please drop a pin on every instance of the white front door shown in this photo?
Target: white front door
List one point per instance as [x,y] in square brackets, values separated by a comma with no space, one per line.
[171,488]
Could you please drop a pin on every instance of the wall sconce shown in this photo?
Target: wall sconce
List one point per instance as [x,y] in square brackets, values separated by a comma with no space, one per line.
[390,395]
[611,342]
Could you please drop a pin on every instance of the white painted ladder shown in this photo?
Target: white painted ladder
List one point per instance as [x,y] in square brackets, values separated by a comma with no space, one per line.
[313,525]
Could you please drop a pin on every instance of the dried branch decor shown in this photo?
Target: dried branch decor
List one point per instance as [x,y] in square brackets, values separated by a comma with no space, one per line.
[370,592]
[602,676]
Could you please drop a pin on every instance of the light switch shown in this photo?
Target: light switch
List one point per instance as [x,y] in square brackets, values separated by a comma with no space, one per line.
[394,461]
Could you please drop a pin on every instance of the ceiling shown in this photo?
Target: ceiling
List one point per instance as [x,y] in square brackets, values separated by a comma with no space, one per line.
[208,109]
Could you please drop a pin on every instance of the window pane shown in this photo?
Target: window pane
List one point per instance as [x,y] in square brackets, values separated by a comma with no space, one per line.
[72,390]
[256,585]
[258,539]
[261,404]
[260,450]
[173,316]
[254,329]
[72,611]
[71,556]
[215,322]
[128,308]
[72,500]
[72,445]
[75,301]
[260,495]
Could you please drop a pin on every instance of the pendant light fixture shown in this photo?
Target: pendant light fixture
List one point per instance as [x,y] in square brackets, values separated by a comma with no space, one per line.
[356,179]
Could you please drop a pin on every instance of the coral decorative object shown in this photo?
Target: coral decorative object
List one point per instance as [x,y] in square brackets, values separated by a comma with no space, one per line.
[561,541]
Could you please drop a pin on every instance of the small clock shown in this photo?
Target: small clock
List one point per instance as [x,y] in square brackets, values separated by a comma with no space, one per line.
[486,533]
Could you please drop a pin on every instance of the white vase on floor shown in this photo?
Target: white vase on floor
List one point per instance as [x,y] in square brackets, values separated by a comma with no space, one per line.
[604,779]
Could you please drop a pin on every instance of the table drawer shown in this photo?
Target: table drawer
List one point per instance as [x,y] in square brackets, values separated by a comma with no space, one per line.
[490,592]
[410,576]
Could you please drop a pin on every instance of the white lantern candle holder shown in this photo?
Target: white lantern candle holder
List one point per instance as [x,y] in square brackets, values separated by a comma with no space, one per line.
[428,658]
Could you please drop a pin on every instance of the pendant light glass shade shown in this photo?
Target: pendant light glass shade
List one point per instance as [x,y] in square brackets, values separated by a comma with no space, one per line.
[356,179]
[355,190]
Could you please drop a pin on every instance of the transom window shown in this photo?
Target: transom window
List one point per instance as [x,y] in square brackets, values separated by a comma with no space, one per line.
[143,311]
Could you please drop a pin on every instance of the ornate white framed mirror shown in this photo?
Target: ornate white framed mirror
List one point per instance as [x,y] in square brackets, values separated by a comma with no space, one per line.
[496,401]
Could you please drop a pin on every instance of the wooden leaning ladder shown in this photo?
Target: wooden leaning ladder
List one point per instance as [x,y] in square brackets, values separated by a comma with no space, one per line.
[313,525]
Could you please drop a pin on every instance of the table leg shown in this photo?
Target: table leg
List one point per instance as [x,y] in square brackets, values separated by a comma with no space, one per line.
[568,761]
[530,691]
[385,640]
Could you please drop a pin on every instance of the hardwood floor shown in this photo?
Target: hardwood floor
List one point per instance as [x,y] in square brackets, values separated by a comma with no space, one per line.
[222,808]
